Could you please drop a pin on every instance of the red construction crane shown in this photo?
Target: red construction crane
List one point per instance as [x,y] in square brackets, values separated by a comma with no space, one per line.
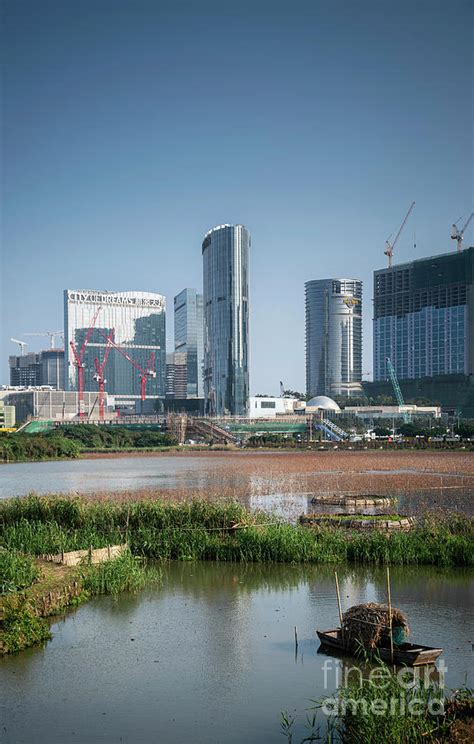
[144,373]
[99,374]
[78,363]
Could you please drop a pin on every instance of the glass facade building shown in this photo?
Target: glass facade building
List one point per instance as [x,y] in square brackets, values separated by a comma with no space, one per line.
[189,338]
[139,329]
[225,252]
[333,337]
[424,317]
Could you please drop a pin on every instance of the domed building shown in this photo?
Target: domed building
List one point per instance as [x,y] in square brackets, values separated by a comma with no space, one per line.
[322,403]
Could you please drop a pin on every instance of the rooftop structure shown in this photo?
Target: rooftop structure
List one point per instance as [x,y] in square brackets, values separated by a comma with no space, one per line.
[322,403]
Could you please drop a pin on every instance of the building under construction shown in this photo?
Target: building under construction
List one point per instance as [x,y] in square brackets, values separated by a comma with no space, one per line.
[38,368]
[115,343]
[424,318]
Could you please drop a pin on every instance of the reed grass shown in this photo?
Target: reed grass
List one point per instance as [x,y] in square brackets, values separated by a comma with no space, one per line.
[386,709]
[126,573]
[202,530]
[399,725]
[17,571]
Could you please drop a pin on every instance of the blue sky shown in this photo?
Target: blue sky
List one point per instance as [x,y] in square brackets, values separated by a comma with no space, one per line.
[131,128]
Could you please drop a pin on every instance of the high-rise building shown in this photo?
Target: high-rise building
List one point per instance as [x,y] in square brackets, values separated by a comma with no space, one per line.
[38,368]
[334,337]
[225,252]
[137,320]
[424,317]
[52,368]
[176,375]
[25,370]
[189,338]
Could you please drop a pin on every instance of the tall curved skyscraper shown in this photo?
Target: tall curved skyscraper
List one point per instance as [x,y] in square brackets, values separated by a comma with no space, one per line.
[334,337]
[225,254]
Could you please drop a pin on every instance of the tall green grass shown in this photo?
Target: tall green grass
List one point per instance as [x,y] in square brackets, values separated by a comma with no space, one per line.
[221,531]
[124,573]
[391,707]
[17,571]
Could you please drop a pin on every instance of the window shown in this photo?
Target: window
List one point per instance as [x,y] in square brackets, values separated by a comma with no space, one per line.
[268,404]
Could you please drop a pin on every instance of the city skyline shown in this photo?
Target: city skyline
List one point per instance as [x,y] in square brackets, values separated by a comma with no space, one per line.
[124,143]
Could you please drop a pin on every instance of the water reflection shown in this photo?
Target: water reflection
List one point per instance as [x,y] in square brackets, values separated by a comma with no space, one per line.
[209,655]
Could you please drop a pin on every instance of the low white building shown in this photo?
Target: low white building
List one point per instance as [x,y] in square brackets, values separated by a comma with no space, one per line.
[390,412]
[271,407]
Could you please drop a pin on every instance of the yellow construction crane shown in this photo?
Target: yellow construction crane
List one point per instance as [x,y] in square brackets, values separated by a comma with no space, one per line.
[390,246]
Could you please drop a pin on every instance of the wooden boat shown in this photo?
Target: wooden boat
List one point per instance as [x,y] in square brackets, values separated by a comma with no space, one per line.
[409,654]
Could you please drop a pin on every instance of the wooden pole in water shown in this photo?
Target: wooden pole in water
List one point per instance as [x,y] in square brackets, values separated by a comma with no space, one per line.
[390,614]
[339,603]
[296,639]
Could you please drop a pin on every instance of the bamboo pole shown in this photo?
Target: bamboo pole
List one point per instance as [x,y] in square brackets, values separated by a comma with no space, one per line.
[390,614]
[339,604]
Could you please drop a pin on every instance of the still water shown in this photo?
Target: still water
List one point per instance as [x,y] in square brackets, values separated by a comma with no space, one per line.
[275,483]
[209,656]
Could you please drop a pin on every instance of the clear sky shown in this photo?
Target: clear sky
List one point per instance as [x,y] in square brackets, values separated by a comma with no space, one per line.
[129,128]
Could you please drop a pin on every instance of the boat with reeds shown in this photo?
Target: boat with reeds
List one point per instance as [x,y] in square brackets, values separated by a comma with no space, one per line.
[379,631]
[409,654]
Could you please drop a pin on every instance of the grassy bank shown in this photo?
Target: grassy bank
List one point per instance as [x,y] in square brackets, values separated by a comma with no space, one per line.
[53,589]
[71,441]
[201,530]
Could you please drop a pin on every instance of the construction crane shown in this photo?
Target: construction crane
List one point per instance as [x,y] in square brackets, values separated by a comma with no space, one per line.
[396,389]
[458,235]
[143,373]
[52,335]
[78,355]
[390,246]
[21,344]
[99,374]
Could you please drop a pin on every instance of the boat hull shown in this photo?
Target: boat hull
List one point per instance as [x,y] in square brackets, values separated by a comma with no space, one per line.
[408,654]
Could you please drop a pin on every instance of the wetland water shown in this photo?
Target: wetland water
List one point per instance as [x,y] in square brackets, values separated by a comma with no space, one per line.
[274,481]
[212,658]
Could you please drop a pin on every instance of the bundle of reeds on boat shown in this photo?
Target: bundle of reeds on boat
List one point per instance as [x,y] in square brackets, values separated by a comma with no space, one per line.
[367,626]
